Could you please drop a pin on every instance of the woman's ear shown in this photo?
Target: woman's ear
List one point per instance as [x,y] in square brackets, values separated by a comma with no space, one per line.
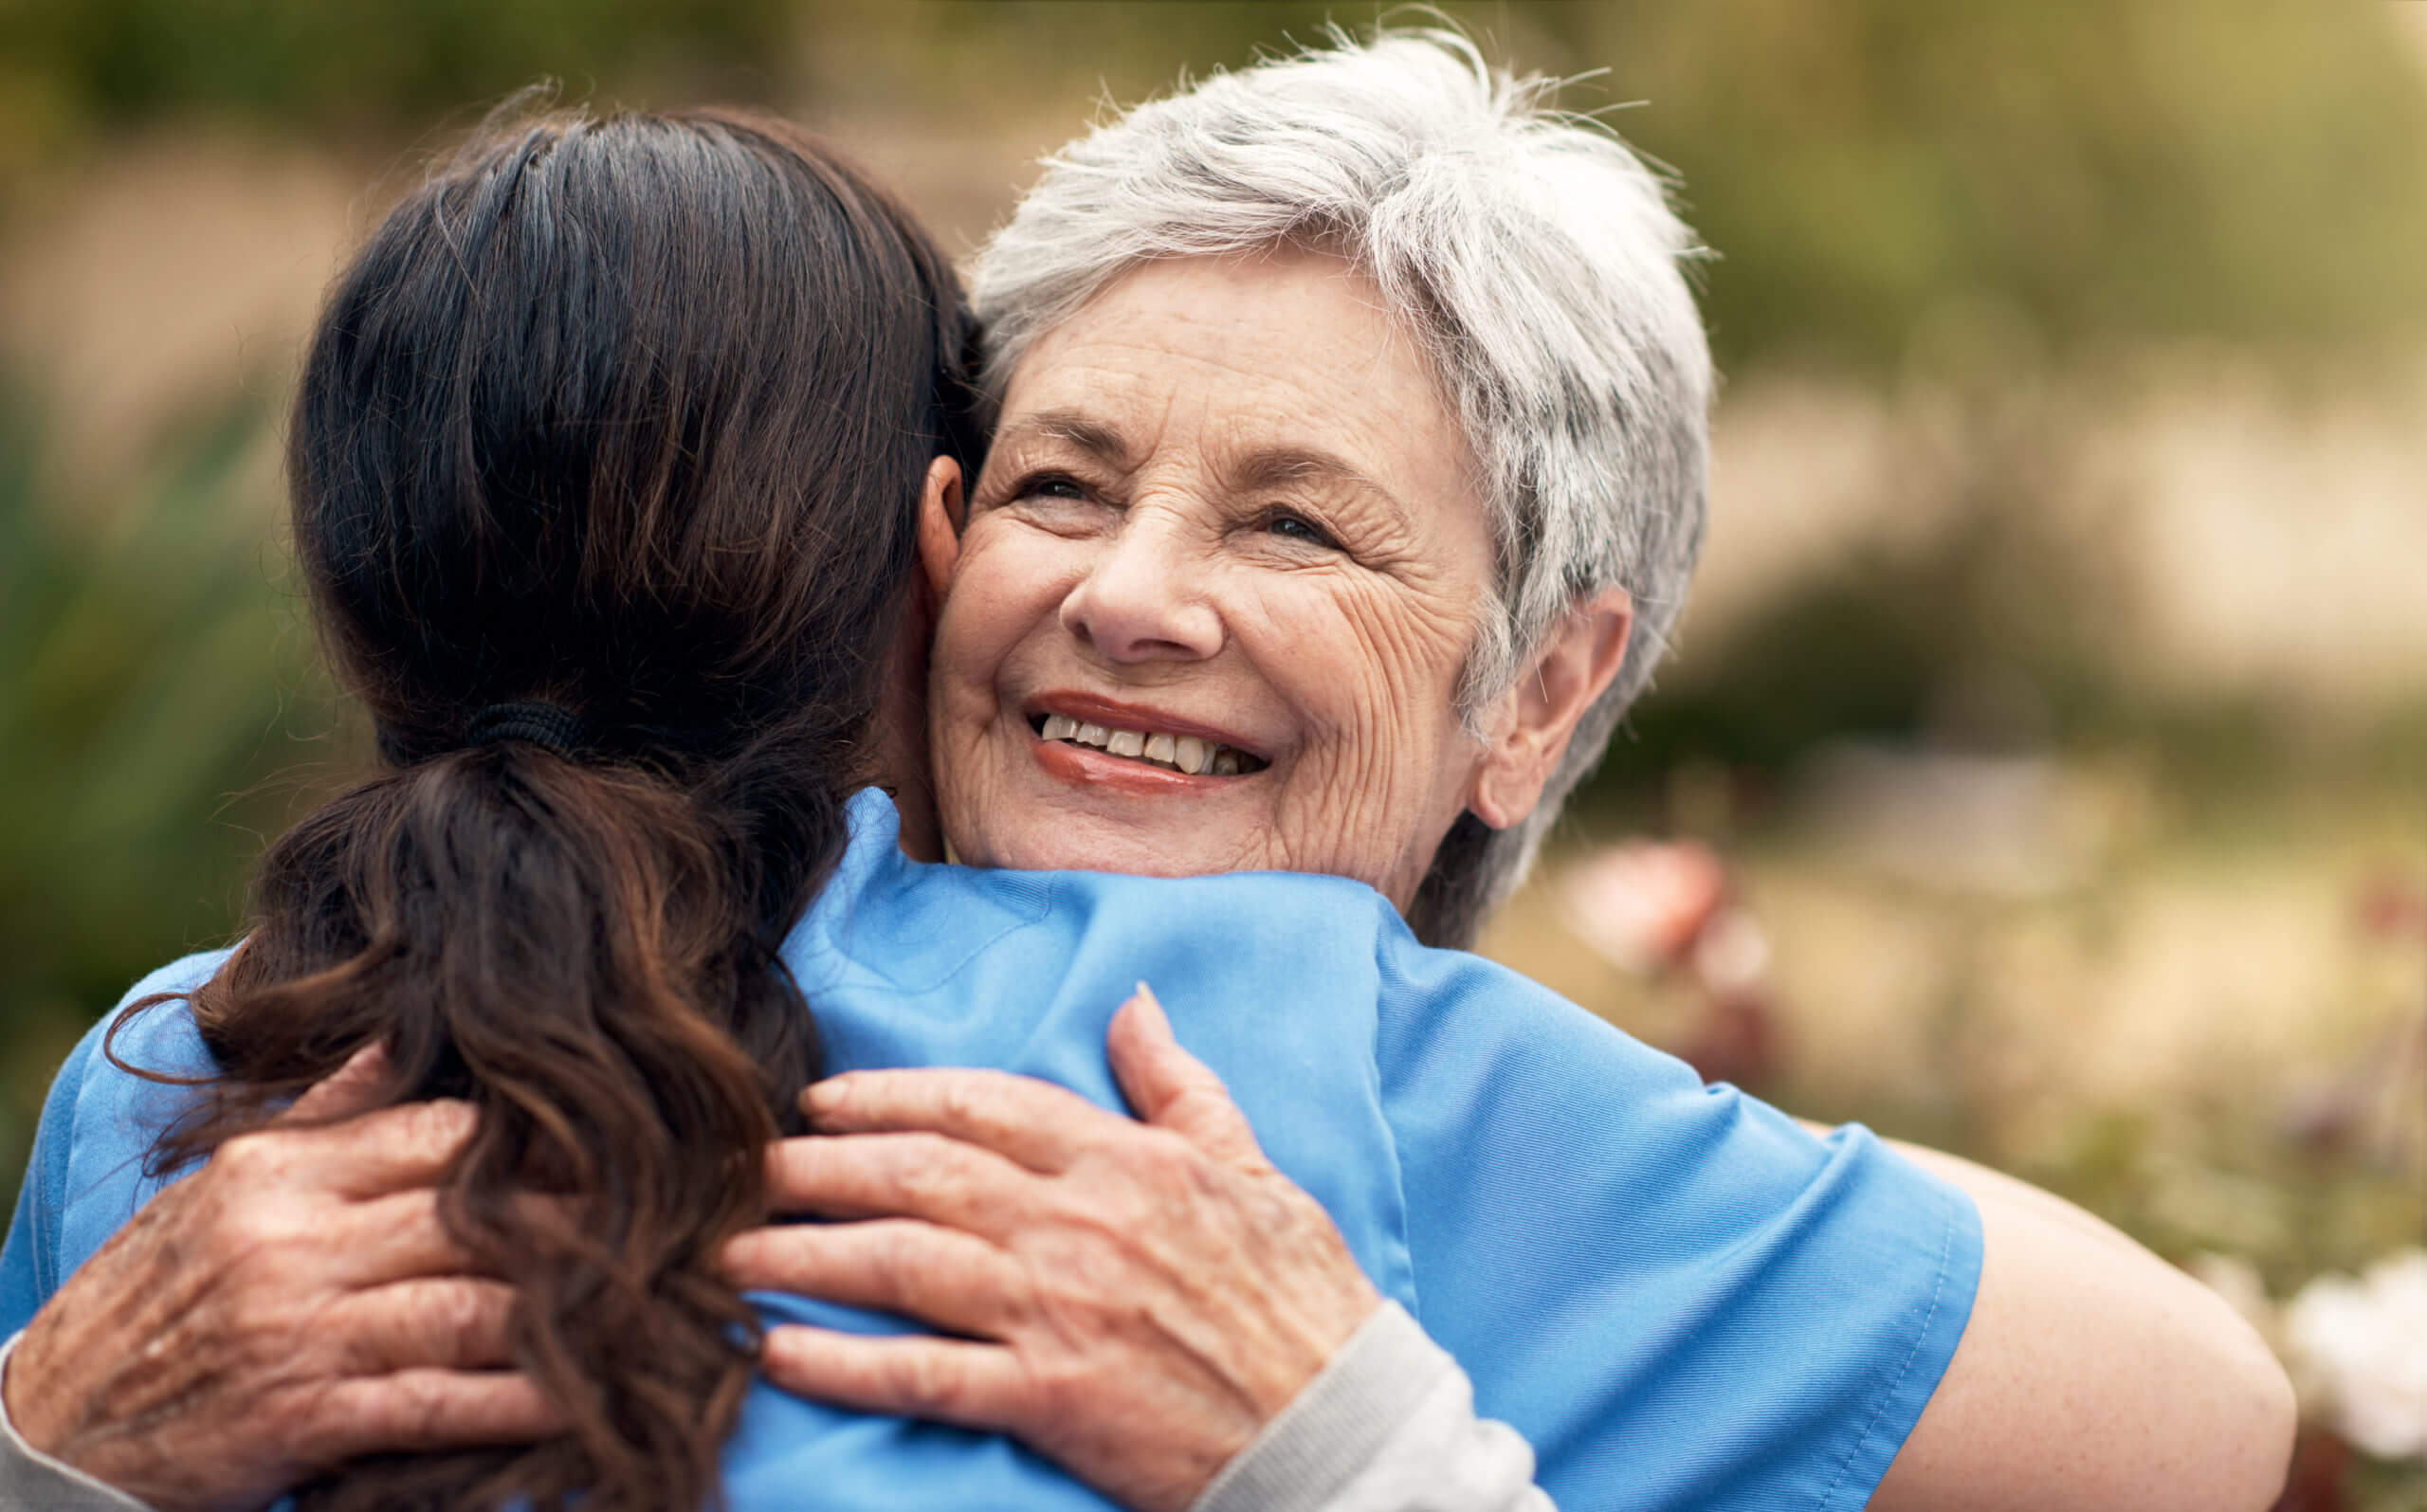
[939,520]
[1530,726]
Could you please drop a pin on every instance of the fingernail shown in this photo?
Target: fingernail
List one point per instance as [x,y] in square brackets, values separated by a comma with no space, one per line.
[1146,995]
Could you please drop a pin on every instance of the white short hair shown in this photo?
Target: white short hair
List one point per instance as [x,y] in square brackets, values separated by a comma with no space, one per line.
[1534,257]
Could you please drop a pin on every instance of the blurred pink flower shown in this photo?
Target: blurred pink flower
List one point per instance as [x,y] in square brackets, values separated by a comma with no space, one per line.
[1641,905]
[2393,905]
[1652,907]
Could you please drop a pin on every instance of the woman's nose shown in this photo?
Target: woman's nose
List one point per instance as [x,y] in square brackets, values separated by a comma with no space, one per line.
[1142,599]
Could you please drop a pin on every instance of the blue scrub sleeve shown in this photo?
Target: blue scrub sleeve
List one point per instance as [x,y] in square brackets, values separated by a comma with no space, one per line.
[1680,1298]
[29,1267]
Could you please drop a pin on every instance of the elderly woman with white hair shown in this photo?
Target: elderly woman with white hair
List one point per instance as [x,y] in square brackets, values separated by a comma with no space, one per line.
[1349,466]
[1522,272]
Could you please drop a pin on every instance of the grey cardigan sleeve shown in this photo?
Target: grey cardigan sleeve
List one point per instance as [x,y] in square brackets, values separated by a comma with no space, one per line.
[31,1480]
[1387,1425]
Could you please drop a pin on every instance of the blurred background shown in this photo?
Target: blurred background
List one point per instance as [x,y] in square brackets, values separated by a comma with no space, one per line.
[2043,769]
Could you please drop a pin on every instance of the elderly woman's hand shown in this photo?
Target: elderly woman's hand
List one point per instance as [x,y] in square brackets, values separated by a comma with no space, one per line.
[1134,1300]
[294,1303]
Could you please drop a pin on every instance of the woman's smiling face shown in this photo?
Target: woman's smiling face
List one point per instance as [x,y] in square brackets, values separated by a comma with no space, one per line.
[1215,588]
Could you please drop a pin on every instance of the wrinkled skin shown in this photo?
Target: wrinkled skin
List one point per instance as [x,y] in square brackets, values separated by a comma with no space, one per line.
[1135,1298]
[293,1304]
[1226,491]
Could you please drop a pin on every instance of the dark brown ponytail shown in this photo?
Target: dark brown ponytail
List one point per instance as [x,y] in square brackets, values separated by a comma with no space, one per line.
[628,417]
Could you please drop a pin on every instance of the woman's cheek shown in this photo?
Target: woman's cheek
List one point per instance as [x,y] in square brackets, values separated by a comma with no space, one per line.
[1379,680]
[986,615]
[1001,596]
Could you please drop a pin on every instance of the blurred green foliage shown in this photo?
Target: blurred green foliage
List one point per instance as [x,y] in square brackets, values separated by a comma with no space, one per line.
[1876,174]
[72,64]
[1880,177]
[153,676]
[1883,174]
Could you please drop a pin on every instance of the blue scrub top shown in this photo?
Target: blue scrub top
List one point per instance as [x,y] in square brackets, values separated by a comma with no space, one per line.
[1680,1298]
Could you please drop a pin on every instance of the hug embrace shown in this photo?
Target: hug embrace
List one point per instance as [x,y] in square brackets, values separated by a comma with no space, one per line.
[906,949]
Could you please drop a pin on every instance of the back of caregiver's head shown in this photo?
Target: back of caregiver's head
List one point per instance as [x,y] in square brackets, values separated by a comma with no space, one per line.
[1535,261]
[604,468]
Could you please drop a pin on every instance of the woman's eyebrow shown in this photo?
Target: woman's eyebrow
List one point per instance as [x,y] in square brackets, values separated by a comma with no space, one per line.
[1072,428]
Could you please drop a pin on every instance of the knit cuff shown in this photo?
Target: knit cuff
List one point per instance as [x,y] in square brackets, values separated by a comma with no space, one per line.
[1335,1424]
[31,1480]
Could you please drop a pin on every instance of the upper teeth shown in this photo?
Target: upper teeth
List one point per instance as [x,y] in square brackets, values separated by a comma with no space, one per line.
[1184,753]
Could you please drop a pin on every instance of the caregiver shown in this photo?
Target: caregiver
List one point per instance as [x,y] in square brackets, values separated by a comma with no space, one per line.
[1232,554]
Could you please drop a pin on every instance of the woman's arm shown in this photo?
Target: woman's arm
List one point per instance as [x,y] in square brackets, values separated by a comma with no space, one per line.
[288,1306]
[2186,1408]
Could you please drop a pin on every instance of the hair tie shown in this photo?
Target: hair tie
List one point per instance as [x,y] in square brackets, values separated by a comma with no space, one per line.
[551,726]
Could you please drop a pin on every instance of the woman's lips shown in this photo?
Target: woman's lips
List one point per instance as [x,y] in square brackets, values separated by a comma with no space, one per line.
[1185,754]
[1083,767]
[1137,735]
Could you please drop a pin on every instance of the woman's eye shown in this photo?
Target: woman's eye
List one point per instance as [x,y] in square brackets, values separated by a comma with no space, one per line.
[1298,527]
[1051,485]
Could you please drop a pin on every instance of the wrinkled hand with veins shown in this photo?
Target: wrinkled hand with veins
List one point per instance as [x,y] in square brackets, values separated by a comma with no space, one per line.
[294,1303]
[1132,1298]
